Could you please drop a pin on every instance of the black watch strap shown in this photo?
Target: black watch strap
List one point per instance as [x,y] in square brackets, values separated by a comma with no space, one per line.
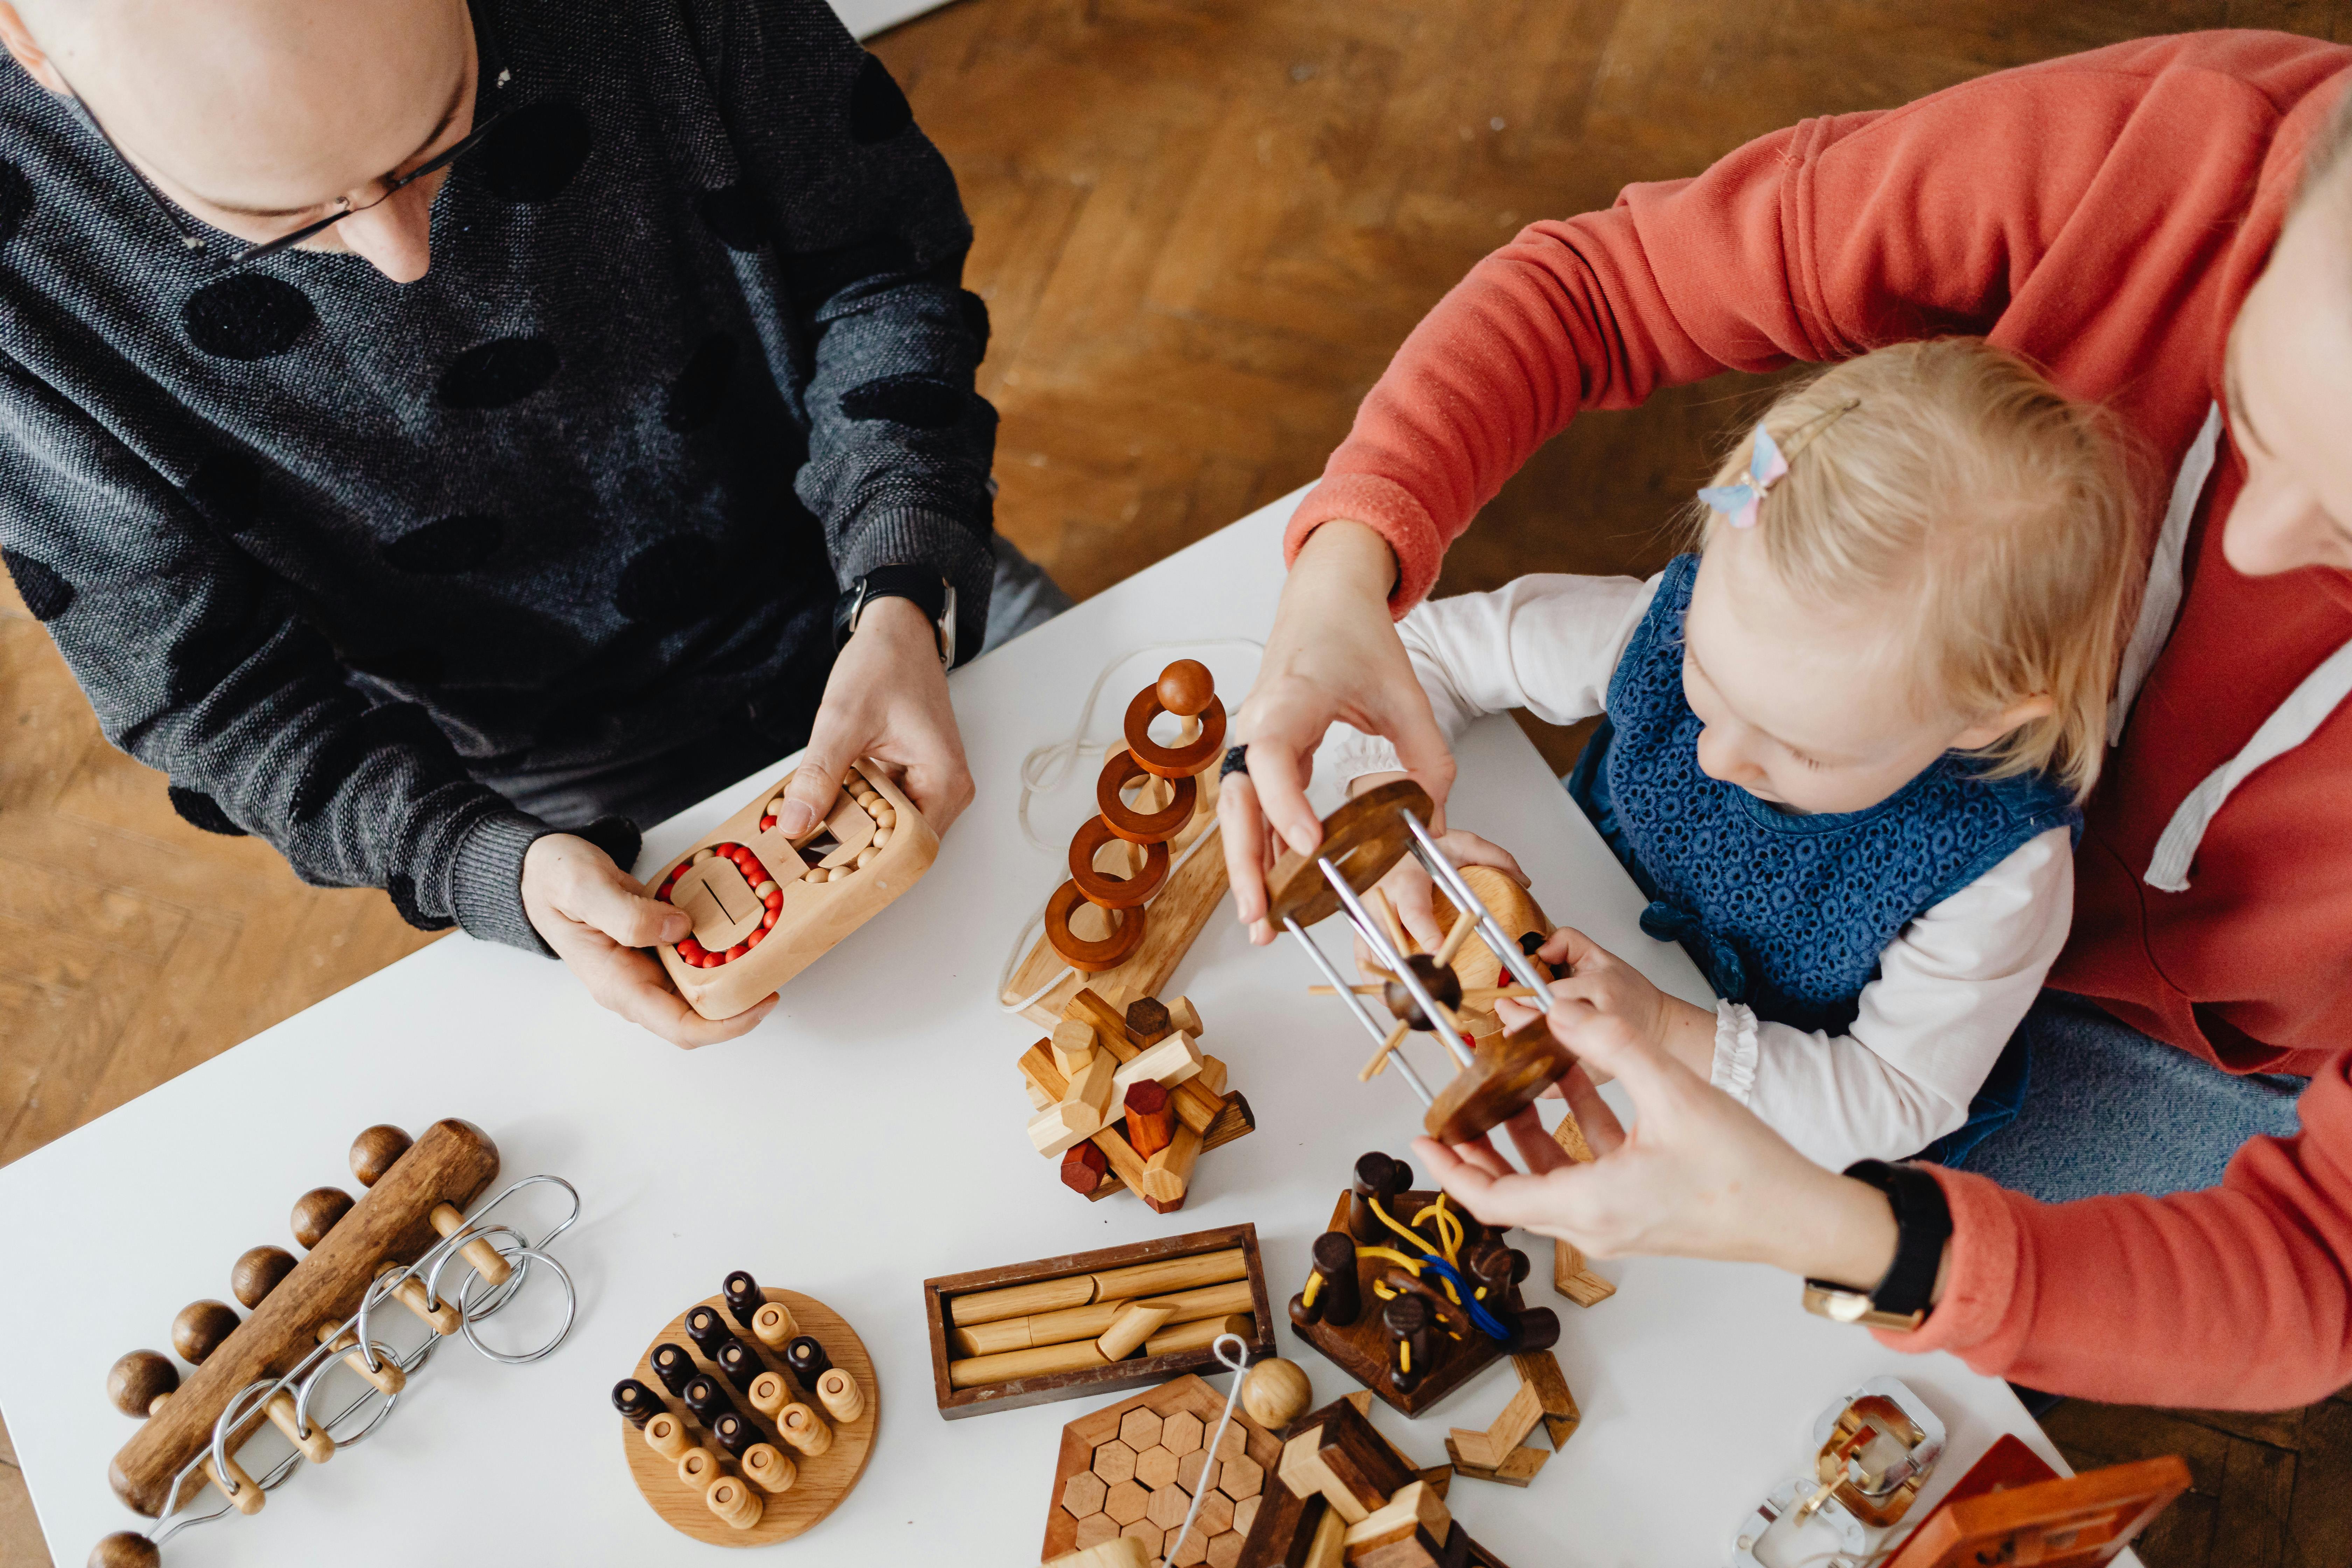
[922,586]
[1923,1223]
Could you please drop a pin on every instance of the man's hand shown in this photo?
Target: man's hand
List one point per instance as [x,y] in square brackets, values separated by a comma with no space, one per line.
[886,700]
[1333,654]
[596,917]
[1698,1176]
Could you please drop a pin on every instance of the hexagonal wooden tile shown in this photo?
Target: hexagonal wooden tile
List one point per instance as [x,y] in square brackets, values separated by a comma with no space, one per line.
[1114,1462]
[1181,1434]
[1226,1551]
[1231,1443]
[1150,1534]
[1140,1429]
[1216,1515]
[1245,1512]
[1239,1479]
[1127,1502]
[1084,1494]
[1196,1470]
[1155,1467]
[1096,1528]
[1168,1507]
[1194,1551]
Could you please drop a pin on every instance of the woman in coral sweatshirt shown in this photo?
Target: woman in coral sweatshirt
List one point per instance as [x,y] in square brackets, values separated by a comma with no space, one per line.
[2167,227]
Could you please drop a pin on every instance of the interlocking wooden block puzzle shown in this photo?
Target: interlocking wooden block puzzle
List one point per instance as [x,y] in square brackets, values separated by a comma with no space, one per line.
[1134,1468]
[1501,1452]
[1411,1297]
[1126,1098]
[1094,1323]
[1341,1493]
[751,1416]
[766,906]
[1127,914]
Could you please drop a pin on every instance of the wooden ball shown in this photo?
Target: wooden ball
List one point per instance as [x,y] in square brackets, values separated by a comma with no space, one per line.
[1186,687]
[316,1212]
[257,1274]
[373,1151]
[125,1549]
[200,1327]
[133,1382]
[1276,1393]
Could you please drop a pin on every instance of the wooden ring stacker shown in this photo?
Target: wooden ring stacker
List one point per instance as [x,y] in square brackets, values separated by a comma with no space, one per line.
[822,1479]
[1104,891]
[1121,769]
[1174,762]
[1362,839]
[1091,957]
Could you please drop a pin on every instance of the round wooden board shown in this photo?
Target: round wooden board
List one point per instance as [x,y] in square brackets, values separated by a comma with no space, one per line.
[823,1481]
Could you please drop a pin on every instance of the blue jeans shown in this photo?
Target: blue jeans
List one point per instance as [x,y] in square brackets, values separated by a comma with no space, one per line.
[2102,1107]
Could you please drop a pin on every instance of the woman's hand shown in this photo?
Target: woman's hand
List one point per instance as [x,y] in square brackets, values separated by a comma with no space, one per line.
[1333,654]
[1697,1176]
[597,918]
[1601,995]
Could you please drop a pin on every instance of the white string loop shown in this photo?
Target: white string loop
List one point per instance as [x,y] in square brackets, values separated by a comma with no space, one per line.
[1239,1362]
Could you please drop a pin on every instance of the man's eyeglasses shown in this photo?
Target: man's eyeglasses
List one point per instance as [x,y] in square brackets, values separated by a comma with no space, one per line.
[344,208]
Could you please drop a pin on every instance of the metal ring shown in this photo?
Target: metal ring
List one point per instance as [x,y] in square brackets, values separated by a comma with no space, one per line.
[570,1313]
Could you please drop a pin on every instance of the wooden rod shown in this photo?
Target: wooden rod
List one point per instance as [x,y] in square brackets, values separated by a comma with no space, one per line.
[1464,924]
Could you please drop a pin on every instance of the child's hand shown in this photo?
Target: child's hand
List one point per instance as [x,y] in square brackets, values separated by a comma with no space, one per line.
[1603,997]
[1409,888]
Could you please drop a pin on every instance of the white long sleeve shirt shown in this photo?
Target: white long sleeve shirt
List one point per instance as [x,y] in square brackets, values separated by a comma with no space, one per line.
[1951,987]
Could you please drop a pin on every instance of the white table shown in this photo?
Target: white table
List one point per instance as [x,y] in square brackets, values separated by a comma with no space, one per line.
[869,1134]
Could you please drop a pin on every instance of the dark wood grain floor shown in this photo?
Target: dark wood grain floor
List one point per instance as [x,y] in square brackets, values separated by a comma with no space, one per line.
[1203,227]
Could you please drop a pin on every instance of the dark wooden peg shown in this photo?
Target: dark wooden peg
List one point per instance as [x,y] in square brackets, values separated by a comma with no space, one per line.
[1537,1329]
[1084,1166]
[739,1363]
[635,1401]
[1436,978]
[200,1327]
[736,1432]
[1338,1300]
[1407,1321]
[1494,1266]
[744,1296]
[1381,1178]
[133,1383]
[316,1212]
[1148,1020]
[673,1366]
[257,1273]
[708,1330]
[373,1151]
[705,1398]
[125,1549]
[807,1359]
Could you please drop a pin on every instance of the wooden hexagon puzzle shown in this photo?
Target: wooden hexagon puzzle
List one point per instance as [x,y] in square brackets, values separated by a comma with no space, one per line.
[1134,1468]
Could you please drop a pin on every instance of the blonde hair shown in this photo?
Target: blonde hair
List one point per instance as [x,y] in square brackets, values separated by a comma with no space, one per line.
[1950,482]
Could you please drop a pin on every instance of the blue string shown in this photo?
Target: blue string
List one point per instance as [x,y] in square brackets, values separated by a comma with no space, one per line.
[1485,1321]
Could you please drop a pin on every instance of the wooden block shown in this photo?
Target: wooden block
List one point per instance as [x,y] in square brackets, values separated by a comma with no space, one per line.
[1304,1471]
[974,1370]
[1171,1062]
[1084,1166]
[1540,1370]
[1073,1044]
[1118,1551]
[1011,1335]
[1151,1118]
[1159,1277]
[1328,1547]
[1439,1477]
[1201,1334]
[1517,1470]
[1570,1136]
[1039,1098]
[1417,1549]
[1573,1278]
[1095,1086]
[1125,1162]
[1137,1322]
[1518,1420]
[1044,1077]
[1020,1300]
[1472,1451]
[1196,1106]
[1413,1507]
[1184,1017]
[1359,1458]
[452,1162]
[1168,1176]
[1060,1127]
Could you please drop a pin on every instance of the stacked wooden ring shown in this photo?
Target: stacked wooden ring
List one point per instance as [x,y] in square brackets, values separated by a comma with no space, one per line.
[765,887]
[1187,690]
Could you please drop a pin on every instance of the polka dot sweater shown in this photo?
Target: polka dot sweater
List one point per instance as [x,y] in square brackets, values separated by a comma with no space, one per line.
[324,548]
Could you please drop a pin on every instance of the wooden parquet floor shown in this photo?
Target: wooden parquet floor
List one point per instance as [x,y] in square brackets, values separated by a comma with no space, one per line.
[1203,227]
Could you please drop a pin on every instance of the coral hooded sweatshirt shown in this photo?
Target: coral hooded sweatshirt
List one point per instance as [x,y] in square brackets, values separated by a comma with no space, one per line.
[2105,214]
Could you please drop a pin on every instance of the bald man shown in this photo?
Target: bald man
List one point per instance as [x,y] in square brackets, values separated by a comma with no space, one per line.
[431,429]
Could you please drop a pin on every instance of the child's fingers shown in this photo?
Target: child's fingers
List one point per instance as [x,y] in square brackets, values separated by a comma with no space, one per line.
[1408,889]
[1649,1074]
[1571,948]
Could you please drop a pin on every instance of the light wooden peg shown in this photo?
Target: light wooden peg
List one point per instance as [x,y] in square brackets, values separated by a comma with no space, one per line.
[804,1429]
[1136,1323]
[493,1268]
[769,1467]
[1185,1016]
[696,1468]
[769,1394]
[666,1436]
[772,1325]
[841,1396]
[442,1317]
[733,1501]
[387,1377]
[316,1446]
[1073,1045]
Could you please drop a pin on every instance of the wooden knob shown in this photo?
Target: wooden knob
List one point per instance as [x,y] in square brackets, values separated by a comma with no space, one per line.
[807,1359]
[736,1504]
[1186,687]
[773,1326]
[200,1327]
[257,1273]
[125,1549]
[769,1467]
[744,1296]
[804,1429]
[673,1366]
[734,1434]
[769,1394]
[493,1268]
[708,1330]
[666,1436]
[1276,1393]
[316,1212]
[635,1401]
[373,1151]
[695,1467]
[133,1382]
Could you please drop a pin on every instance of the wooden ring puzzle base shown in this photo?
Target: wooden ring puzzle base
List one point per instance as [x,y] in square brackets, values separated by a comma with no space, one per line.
[823,1481]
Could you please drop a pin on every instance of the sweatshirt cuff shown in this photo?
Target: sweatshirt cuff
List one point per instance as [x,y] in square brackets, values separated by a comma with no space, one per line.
[1984,1282]
[1735,1050]
[1389,510]
[910,536]
[486,882]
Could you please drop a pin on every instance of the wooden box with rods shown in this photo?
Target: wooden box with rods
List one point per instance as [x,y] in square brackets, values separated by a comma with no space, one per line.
[1094,1323]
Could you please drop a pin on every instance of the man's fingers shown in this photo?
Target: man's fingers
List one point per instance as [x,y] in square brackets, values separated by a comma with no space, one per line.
[605,897]
[815,783]
[1276,769]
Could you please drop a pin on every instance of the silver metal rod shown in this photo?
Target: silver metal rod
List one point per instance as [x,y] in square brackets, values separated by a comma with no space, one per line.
[1356,1005]
[1457,889]
[1394,961]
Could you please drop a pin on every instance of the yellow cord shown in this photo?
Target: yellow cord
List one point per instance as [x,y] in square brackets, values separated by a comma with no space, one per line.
[1411,1264]
[1404,1355]
[1314,1288]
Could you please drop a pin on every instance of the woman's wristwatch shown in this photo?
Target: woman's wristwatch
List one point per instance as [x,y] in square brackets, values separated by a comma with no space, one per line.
[1923,1223]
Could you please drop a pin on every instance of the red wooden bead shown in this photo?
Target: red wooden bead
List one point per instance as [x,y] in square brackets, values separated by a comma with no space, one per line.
[774,900]
[689,950]
[756,936]
[766,823]
[769,918]
[712,960]
[739,950]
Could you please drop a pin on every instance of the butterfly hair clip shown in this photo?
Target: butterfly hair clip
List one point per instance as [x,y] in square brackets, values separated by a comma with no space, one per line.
[1767,466]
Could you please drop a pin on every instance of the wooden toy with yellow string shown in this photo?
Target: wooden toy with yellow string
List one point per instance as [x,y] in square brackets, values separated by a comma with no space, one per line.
[1411,1297]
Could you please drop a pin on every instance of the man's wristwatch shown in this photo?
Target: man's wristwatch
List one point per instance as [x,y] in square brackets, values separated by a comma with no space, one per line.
[931,593]
[1923,1223]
